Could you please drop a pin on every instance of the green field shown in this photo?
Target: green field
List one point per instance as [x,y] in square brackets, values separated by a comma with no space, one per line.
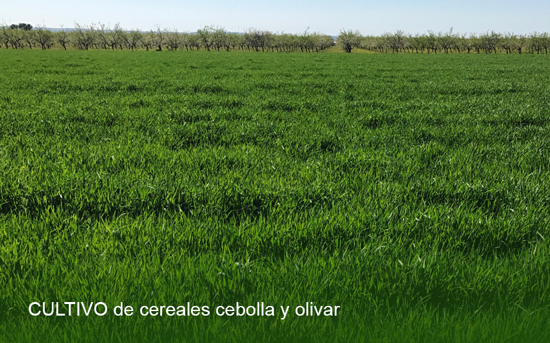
[410,190]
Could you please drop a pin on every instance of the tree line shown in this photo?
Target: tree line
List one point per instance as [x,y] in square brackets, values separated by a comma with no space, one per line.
[448,42]
[100,36]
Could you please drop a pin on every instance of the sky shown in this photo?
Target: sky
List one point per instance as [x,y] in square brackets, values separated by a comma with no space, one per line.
[370,17]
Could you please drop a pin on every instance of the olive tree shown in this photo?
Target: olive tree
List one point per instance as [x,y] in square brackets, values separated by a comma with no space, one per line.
[147,40]
[84,37]
[118,37]
[173,40]
[233,41]
[447,40]
[519,43]
[349,40]
[539,42]
[102,35]
[490,41]
[158,37]
[15,38]
[463,43]
[29,38]
[323,42]
[206,37]
[396,41]
[220,39]
[3,36]
[258,39]
[44,37]
[134,39]
[62,38]
[432,43]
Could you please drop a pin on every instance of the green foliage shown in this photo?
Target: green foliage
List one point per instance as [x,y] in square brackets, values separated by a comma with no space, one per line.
[21,26]
[412,190]
[348,40]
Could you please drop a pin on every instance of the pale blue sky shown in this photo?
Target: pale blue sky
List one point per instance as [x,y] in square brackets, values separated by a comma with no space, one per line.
[325,16]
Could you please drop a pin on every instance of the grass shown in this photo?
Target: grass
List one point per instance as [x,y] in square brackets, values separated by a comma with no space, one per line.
[411,190]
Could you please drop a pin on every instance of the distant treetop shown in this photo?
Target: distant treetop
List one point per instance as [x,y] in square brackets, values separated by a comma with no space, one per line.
[21,26]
